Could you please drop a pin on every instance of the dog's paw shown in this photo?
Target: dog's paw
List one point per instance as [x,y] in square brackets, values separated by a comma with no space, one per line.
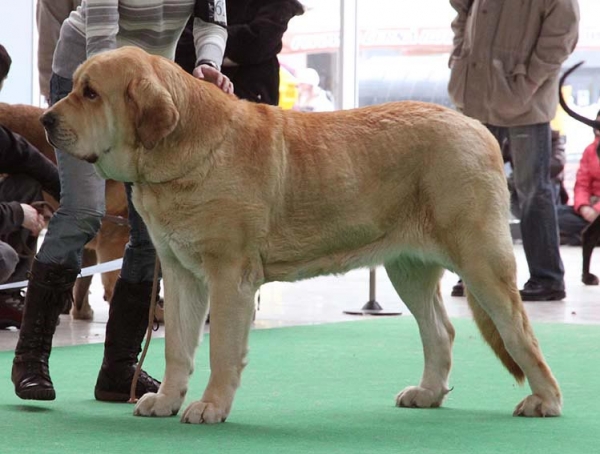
[156,404]
[85,312]
[535,406]
[201,412]
[417,397]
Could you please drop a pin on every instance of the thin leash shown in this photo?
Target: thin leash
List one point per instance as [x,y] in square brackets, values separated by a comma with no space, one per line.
[153,299]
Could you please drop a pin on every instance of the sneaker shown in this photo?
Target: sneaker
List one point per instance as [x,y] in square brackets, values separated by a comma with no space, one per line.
[458,289]
[11,308]
[534,291]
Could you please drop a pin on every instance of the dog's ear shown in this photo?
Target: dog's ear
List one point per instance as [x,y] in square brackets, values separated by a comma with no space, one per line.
[155,114]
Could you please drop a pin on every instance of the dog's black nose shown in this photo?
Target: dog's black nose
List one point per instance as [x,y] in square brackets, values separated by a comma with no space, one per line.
[49,120]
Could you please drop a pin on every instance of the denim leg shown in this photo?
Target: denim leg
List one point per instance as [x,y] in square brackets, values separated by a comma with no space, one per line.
[530,147]
[82,206]
[140,255]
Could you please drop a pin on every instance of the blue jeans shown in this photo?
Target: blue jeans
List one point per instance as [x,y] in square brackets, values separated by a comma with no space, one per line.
[82,207]
[530,148]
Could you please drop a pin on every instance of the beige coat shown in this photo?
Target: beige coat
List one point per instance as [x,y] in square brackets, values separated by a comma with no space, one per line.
[507,57]
[50,15]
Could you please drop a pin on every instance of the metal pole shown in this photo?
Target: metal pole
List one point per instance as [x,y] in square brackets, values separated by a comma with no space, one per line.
[349,100]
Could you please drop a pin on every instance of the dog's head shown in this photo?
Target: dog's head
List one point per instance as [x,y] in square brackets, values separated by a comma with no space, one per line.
[121,106]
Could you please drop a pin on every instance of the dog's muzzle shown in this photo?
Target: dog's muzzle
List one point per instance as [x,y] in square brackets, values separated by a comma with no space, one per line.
[49,121]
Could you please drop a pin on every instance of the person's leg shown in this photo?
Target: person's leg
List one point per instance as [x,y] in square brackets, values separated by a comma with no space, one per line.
[11,301]
[128,316]
[570,225]
[531,149]
[19,248]
[55,267]
[23,189]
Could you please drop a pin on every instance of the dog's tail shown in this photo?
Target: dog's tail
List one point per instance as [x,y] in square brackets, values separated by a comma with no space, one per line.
[492,337]
[593,123]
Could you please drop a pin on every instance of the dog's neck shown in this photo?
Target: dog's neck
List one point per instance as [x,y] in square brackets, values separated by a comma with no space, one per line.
[204,109]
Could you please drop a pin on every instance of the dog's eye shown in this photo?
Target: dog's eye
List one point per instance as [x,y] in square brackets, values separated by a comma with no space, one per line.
[89,93]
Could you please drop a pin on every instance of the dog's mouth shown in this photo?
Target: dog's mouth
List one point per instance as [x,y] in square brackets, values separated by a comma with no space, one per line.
[92,158]
[49,138]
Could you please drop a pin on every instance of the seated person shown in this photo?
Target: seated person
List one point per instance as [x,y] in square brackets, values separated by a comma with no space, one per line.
[24,172]
[573,219]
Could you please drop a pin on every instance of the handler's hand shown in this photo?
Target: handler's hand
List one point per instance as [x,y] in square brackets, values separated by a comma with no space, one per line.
[215,76]
[32,220]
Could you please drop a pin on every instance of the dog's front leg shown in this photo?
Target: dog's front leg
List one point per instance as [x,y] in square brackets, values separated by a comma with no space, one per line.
[186,303]
[232,288]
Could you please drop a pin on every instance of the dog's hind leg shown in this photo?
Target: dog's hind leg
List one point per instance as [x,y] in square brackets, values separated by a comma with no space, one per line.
[417,283]
[500,315]
[186,306]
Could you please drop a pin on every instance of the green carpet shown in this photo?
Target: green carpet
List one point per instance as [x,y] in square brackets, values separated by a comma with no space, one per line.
[324,389]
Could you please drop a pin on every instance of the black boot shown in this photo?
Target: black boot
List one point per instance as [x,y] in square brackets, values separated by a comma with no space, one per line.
[125,329]
[49,289]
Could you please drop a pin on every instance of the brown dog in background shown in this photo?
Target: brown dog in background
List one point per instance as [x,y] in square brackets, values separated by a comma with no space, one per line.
[110,242]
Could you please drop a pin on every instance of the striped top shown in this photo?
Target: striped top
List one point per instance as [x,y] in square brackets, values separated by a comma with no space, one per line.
[153,25]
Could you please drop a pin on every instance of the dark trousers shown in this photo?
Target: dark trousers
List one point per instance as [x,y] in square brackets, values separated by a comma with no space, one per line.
[571,225]
[18,247]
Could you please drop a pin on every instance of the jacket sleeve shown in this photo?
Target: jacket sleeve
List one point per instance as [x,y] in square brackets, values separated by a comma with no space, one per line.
[210,31]
[557,39]
[462,8]
[11,217]
[583,180]
[260,39]
[50,15]
[102,25]
[17,156]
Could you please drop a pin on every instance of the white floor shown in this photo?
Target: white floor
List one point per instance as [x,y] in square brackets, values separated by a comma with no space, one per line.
[323,300]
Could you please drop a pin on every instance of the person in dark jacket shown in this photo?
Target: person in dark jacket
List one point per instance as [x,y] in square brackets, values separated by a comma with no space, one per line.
[26,172]
[254,32]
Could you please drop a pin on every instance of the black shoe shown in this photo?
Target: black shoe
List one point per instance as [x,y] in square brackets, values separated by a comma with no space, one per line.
[458,289]
[114,383]
[534,291]
[11,308]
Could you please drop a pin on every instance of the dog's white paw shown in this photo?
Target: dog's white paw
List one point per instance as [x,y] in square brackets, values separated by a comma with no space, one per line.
[201,412]
[417,397]
[535,406]
[156,404]
[85,312]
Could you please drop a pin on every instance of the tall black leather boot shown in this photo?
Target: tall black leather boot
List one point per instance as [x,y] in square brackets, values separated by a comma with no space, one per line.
[50,288]
[125,329]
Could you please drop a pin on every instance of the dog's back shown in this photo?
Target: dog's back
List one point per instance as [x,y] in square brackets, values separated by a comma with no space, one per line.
[24,120]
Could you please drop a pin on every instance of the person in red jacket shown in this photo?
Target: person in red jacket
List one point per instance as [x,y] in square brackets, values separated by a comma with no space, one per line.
[586,207]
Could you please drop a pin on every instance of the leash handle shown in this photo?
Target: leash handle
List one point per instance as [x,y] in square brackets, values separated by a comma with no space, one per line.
[153,299]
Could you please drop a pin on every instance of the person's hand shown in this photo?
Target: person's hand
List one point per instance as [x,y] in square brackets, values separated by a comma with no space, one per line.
[588,213]
[213,75]
[32,220]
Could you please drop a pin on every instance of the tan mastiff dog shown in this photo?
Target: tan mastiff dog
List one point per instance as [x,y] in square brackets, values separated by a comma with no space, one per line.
[237,194]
